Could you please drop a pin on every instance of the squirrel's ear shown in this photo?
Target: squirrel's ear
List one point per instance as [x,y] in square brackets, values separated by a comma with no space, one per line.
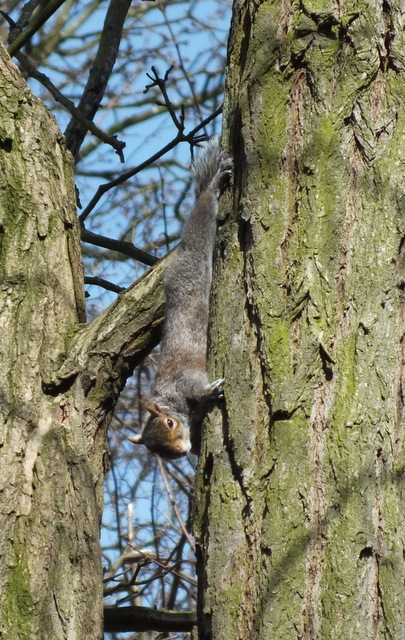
[135,439]
[155,410]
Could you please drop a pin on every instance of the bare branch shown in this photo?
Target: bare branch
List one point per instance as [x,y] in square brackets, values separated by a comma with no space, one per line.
[99,73]
[157,81]
[68,104]
[174,505]
[143,619]
[181,61]
[106,284]
[39,19]
[127,248]
[127,331]
[151,112]
[191,138]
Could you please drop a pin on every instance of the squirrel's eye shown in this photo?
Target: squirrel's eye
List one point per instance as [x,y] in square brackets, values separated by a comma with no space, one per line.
[170,423]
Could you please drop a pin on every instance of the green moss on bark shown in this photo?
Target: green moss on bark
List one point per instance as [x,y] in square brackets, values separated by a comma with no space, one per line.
[18,601]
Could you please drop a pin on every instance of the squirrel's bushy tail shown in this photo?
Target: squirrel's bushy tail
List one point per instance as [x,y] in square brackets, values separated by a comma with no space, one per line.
[205,165]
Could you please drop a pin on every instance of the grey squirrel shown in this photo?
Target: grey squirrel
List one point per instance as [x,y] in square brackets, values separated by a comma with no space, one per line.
[182,390]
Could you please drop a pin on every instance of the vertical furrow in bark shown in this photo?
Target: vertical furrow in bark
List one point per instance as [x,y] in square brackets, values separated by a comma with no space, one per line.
[400,372]
[377,614]
[322,403]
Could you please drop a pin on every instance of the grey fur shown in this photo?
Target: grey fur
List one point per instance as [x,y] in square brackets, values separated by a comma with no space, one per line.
[181,388]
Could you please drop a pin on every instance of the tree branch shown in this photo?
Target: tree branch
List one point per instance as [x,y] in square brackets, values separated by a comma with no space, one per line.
[151,111]
[180,137]
[99,73]
[38,20]
[124,334]
[121,246]
[32,71]
[144,619]
[101,282]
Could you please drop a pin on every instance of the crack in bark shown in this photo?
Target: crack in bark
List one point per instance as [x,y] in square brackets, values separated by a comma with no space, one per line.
[378,609]
[318,421]
[399,377]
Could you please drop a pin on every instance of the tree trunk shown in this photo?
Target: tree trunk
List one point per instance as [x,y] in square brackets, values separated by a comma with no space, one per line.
[59,384]
[300,509]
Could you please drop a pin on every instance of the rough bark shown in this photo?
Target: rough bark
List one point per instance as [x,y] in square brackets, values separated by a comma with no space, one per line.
[60,381]
[300,518]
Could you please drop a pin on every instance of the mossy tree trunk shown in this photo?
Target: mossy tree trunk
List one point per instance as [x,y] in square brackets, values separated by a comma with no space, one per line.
[300,511]
[59,384]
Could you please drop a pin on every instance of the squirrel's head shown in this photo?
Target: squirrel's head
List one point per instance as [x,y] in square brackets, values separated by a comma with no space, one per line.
[164,433]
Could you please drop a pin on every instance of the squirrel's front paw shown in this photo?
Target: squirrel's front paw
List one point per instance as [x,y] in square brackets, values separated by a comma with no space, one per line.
[225,171]
[215,390]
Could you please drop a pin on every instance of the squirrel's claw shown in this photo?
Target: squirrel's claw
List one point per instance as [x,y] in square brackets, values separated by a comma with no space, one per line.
[215,390]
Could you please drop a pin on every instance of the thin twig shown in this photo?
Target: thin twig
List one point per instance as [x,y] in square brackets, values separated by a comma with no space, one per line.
[174,505]
[157,81]
[180,58]
[191,138]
